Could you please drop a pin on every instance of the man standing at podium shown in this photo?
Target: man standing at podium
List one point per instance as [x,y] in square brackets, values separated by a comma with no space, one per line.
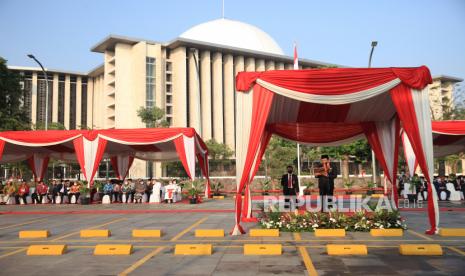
[290,184]
[326,173]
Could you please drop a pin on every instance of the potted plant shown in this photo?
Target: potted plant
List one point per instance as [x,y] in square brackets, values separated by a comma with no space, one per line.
[371,185]
[85,194]
[308,188]
[266,187]
[348,185]
[194,192]
[216,188]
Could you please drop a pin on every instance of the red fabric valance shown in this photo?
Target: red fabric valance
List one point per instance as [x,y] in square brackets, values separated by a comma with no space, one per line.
[335,81]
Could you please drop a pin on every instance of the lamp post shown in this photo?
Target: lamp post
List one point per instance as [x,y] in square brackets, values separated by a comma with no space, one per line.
[373,160]
[46,89]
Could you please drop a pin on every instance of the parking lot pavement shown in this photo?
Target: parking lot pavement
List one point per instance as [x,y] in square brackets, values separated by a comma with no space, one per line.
[302,253]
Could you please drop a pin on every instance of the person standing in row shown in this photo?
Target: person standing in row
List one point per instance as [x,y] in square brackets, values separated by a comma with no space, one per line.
[290,184]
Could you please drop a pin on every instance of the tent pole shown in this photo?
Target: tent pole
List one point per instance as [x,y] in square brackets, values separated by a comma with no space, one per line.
[298,163]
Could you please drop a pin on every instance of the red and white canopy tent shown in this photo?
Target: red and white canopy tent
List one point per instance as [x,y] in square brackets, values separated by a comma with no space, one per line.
[448,138]
[88,147]
[332,107]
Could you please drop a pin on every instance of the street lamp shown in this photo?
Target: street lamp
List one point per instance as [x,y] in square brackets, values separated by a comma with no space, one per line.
[373,45]
[373,160]
[46,89]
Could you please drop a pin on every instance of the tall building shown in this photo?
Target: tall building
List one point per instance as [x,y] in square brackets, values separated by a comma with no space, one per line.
[192,78]
[441,95]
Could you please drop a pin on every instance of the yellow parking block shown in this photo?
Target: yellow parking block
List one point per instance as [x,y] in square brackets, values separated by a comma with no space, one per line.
[208,233]
[34,234]
[218,197]
[263,249]
[193,249]
[146,233]
[452,232]
[264,233]
[346,249]
[330,232]
[95,233]
[387,232]
[377,195]
[113,249]
[420,249]
[46,250]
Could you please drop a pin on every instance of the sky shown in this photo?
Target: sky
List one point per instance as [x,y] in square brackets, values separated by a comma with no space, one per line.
[60,33]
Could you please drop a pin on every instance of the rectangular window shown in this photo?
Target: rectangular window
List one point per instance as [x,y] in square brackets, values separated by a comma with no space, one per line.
[84,103]
[149,81]
[41,97]
[72,103]
[61,99]
[28,93]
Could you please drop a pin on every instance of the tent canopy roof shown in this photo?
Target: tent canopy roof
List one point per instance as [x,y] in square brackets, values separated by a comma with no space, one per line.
[144,143]
[448,137]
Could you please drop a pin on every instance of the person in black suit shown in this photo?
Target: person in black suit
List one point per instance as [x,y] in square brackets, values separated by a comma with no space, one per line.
[326,176]
[290,183]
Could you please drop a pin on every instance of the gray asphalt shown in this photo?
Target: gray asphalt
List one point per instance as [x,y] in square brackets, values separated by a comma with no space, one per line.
[154,256]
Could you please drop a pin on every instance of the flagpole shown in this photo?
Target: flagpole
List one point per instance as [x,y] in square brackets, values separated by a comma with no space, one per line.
[296,67]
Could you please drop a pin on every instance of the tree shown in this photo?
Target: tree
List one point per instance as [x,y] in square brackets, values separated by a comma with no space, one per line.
[152,116]
[280,153]
[51,126]
[13,114]
[217,150]
[219,153]
[359,151]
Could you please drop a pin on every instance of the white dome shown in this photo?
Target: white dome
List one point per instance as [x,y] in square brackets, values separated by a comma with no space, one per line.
[233,34]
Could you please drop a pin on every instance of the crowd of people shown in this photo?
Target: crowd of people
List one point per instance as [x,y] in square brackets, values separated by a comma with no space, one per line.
[439,182]
[69,191]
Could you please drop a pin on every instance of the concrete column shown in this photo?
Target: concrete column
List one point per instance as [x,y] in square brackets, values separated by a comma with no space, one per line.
[194,97]
[269,65]
[217,75]
[228,65]
[34,98]
[249,64]
[178,57]
[289,66]
[259,65]
[280,66]
[90,100]
[78,102]
[205,82]
[238,67]
[67,100]
[55,99]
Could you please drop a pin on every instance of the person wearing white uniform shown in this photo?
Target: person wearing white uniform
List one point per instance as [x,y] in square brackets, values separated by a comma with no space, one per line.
[178,189]
[155,197]
[170,191]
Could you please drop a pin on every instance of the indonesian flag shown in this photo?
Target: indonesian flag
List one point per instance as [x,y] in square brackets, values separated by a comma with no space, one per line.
[296,59]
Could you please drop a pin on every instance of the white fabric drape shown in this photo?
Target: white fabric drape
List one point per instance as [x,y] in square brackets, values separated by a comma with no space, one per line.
[90,154]
[332,99]
[244,103]
[189,148]
[422,110]
[387,138]
[409,155]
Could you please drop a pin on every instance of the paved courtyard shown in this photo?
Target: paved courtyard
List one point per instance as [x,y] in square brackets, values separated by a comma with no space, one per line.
[155,256]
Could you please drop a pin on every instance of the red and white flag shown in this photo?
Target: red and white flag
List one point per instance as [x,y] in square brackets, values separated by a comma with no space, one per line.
[296,59]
